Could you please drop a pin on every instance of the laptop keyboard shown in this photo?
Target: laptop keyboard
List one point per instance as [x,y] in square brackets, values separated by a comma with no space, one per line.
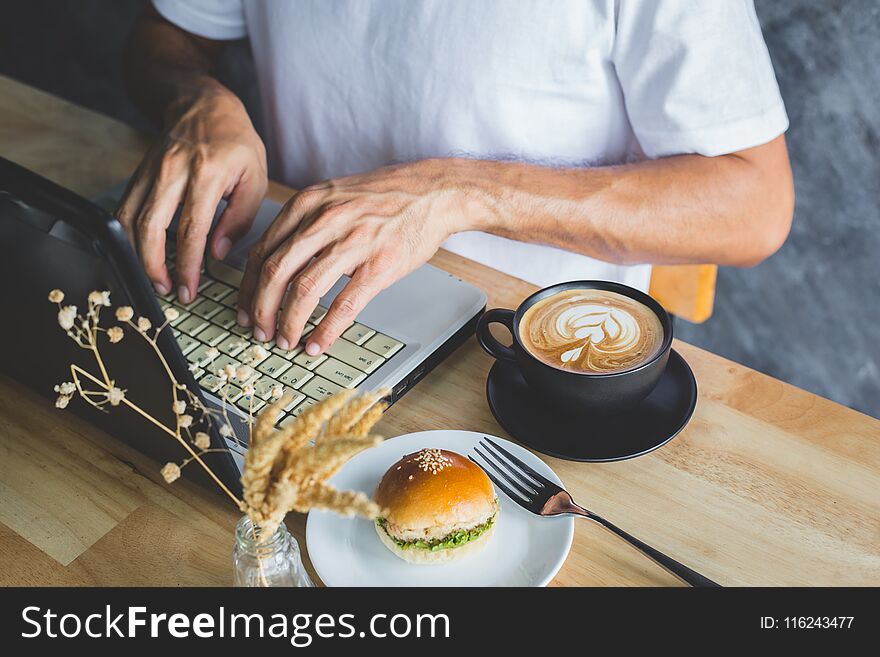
[209,321]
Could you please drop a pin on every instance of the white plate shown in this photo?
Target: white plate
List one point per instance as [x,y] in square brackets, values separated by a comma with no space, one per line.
[524,550]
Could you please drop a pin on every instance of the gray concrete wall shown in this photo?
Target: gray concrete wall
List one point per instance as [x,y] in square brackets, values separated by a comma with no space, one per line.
[810,315]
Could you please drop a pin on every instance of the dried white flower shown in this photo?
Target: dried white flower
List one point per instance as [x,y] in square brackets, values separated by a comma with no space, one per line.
[115,334]
[124,313]
[99,298]
[244,372]
[202,440]
[66,317]
[179,407]
[226,431]
[62,401]
[229,371]
[185,421]
[115,396]
[56,296]
[211,353]
[66,388]
[248,389]
[144,324]
[277,392]
[170,472]
[253,353]
[171,314]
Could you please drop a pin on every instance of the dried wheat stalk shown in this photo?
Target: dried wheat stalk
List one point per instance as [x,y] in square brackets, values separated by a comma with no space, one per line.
[284,472]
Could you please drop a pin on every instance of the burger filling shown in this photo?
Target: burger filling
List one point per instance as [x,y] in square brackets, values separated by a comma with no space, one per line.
[453,540]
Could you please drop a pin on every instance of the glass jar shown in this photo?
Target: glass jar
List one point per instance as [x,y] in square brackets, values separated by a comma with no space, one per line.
[275,561]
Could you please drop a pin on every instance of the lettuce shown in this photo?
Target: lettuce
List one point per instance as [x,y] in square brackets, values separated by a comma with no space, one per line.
[453,540]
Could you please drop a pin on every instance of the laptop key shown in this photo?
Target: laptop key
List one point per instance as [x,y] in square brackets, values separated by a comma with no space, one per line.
[193,325]
[264,386]
[211,382]
[320,388]
[295,376]
[243,331]
[207,308]
[288,420]
[317,314]
[297,399]
[287,354]
[187,344]
[197,355]
[340,373]
[359,357]
[231,300]
[213,335]
[274,365]
[231,392]
[189,306]
[309,362]
[181,316]
[358,333]
[298,410]
[222,361]
[217,291]
[383,345]
[250,404]
[232,346]
[225,319]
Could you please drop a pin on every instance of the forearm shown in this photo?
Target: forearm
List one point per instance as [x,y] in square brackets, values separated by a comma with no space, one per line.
[167,69]
[729,210]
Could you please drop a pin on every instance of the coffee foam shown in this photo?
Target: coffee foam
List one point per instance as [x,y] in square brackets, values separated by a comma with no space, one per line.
[591,331]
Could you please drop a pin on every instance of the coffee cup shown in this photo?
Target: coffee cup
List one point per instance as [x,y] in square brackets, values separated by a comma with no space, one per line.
[591,347]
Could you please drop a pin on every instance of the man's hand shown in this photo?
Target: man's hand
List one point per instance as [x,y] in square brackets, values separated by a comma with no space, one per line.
[375,227]
[210,151]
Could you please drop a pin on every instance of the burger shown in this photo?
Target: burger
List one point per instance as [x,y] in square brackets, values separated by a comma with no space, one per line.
[439,506]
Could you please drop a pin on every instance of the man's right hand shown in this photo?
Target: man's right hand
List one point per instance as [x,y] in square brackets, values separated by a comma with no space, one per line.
[208,151]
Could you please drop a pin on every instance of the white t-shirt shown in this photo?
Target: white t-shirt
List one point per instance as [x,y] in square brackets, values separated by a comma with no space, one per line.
[352,85]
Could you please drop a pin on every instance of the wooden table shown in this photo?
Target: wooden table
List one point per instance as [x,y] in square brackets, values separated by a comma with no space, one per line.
[768,484]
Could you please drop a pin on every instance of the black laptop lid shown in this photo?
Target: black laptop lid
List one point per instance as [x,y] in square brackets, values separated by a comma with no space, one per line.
[52,238]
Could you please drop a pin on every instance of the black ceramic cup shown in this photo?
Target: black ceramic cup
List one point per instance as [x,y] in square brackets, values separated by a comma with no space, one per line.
[592,394]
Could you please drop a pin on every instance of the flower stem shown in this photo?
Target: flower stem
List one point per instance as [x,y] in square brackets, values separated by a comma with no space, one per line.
[75,369]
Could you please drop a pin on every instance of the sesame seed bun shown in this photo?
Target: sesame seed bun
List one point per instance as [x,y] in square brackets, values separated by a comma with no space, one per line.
[430,495]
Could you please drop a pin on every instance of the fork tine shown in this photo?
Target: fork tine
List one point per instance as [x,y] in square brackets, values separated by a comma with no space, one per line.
[528,494]
[513,496]
[523,482]
[534,474]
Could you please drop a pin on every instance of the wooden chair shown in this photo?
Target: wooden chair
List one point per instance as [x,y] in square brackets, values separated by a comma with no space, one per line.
[686,291]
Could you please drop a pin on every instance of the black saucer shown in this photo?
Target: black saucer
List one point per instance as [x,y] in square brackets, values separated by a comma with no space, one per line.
[651,424]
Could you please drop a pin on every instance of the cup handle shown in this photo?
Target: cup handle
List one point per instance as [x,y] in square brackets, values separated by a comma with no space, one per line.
[487,340]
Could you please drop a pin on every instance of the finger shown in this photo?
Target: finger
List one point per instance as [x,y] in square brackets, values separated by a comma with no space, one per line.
[155,216]
[133,198]
[344,311]
[287,221]
[306,290]
[238,216]
[275,275]
[199,206]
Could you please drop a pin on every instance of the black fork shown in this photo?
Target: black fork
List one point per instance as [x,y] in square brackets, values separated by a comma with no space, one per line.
[534,492]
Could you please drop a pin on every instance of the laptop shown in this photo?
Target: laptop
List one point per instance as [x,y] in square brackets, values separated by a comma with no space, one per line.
[52,238]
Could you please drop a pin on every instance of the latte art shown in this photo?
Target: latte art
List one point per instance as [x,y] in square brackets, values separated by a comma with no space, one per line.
[591,331]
